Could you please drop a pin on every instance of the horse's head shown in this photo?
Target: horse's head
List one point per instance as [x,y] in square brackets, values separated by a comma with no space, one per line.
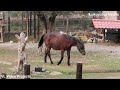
[81,48]
[80,45]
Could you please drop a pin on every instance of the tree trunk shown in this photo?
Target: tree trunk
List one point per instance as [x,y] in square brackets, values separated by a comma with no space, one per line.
[49,22]
[42,17]
[3,20]
[51,26]
[22,20]
[34,25]
[63,21]
[8,27]
[22,55]
[30,24]
[52,22]
[67,23]
[3,15]
[38,32]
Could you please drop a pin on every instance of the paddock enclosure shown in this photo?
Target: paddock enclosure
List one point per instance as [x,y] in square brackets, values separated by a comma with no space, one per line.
[100,62]
[100,35]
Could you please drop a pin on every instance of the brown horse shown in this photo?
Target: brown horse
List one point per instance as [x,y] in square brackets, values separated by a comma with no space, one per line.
[61,42]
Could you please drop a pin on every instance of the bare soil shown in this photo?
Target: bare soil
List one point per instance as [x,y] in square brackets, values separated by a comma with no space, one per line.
[89,47]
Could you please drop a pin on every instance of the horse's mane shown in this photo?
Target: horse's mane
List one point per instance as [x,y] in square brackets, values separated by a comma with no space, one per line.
[78,39]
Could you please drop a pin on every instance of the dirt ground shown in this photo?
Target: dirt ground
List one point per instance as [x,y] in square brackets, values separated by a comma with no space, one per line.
[91,63]
[90,47]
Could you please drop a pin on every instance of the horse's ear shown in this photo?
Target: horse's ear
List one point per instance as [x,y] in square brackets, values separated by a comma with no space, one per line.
[26,38]
[18,37]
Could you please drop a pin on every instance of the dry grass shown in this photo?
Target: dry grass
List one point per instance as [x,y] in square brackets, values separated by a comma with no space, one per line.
[96,65]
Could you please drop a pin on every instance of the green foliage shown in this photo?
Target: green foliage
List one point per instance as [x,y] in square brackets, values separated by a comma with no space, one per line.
[64,13]
[84,24]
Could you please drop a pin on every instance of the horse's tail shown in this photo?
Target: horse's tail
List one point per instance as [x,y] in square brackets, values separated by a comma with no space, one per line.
[41,41]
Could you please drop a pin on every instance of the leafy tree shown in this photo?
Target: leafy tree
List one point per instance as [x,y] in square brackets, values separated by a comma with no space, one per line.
[48,18]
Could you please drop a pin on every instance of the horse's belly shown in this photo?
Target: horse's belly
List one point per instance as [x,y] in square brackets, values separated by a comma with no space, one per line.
[55,47]
[59,47]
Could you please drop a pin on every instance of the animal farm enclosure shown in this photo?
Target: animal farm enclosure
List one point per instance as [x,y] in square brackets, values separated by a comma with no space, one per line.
[100,36]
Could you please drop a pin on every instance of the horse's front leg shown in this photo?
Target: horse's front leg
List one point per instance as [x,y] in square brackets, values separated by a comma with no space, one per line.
[62,56]
[68,55]
[50,56]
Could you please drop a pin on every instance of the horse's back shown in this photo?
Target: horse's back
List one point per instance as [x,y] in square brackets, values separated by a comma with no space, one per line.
[58,41]
[55,35]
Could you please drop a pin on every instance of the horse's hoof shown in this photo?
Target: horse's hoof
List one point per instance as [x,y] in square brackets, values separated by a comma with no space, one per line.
[69,65]
[52,63]
[58,63]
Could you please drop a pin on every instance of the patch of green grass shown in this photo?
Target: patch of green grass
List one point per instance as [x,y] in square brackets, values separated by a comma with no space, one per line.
[53,77]
[101,75]
[98,61]
[95,65]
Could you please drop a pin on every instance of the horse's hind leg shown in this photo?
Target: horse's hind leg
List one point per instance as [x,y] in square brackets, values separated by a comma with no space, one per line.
[50,56]
[62,56]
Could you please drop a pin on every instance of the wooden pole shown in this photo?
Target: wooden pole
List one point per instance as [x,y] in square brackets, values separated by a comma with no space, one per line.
[26,71]
[8,28]
[79,71]
[103,35]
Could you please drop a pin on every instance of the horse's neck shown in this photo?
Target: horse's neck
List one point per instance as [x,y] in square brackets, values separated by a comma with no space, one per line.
[77,40]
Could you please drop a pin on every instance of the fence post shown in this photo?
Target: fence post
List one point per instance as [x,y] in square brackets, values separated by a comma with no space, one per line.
[3,75]
[79,71]
[26,71]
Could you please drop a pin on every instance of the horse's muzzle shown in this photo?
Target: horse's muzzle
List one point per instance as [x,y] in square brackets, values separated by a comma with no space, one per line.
[83,53]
